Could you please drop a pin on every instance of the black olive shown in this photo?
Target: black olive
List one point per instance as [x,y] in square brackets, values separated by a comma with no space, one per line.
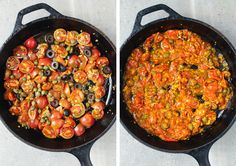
[185,64]
[193,110]
[64,77]
[200,99]
[61,68]
[54,103]
[90,82]
[78,85]
[168,87]
[70,77]
[47,72]
[66,112]
[90,96]
[55,65]
[194,67]
[87,52]
[106,70]
[76,51]
[49,38]
[89,109]
[50,53]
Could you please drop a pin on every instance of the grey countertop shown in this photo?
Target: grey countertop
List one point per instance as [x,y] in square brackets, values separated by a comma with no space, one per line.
[100,14]
[221,15]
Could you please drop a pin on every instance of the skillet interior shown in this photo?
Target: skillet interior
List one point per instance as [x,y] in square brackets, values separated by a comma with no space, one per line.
[35,138]
[220,43]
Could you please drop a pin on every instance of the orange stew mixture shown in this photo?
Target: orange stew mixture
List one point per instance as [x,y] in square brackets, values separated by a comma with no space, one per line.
[55,83]
[174,83]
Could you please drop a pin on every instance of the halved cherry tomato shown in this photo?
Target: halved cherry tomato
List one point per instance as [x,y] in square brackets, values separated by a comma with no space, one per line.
[78,110]
[65,103]
[77,96]
[11,83]
[49,132]
[53,76]
[30,43]
[33,114]
[79,130]
[20,51]
[71,38]
[67,90]
[100,80]
[45,62]
[87,120]
[67,132]
[17,74]
[23,118]
[32,55]
[83,62]
[98,114]
[28,86]
[95,55]
[59,87]
[25,105]
[60,35]
[98,105]
[47,86]
[41,101]
[26,66]
[80,77]
[12,63]
[69,122]
[8,95]
[57,123]
[60,50]
[40,79]
[15,110]
[99,92]
[61,60]
[42,48]
[73,61]
[83,38]
[34,73]
[33,123]
[56,115]
[101,62]
[93,75]
[89,66]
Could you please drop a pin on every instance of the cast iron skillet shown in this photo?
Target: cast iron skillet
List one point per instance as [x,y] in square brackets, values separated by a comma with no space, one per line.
[198,146]
[78,146]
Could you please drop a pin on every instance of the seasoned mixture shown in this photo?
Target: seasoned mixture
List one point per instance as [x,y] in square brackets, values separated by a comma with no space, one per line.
[55,82]
[173,84]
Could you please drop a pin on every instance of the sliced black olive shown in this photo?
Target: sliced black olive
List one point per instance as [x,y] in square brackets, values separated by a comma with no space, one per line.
[54,103]
[66,112]
[90,96]
[185,64]
[87,52]
[47,72]
[49,38]
[76,51]
[168,87]
[50,53]
[106,70]
[55,65]
[90,82]
[64,77]
[70,77]
[89,109]
[193,110]
[61,68]
[78,85]
[200,99]
[194,67]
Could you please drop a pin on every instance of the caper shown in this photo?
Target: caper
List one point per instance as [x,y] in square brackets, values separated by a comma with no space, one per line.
[190,126]
[45,67]
[68,48]
[35,89]
[36,62]
[37,94]
[12,76]
[23,79]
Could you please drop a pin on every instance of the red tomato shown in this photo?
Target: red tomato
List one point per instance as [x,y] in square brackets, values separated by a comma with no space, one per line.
[11,83]
[78,110]
[20,51]
[47,86]
[40,79]
[60,35]
[57,123]
[33,123]
[53,76]
[80,77]
[49,132]
[32,55]
[79,130]
[41,101]
[12,63]
[71,38]
[98,105]
[102,61]
[26,66]
[8,95]
[100,80]
[28,86]
[98,114]
[99,92]
[73,61]
[67,132]
[34,73]
[65,103]
[69,122]
[42,48]
[32,114]
[17,74]
[45,62]
[56,115]
[83,62]
[77,96]
[15,110]
[30,43]
[67,90]
[95,54]
[83,38]
[25,105]
[87,120]
[89,66]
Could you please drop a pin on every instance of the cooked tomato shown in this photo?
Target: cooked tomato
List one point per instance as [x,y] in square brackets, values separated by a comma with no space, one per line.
[46,86]
[26,66]
[95,54]
[40,79]
[77,96]
[98,105]
[34,73]
[98,114]
[71,38]
[11,83]
[100,80]
[20,51]
[8,95]
[28,86]
[99,92]
[15,110]
[79,130]
[60,35]
[12,63]
[102,61]
[7,74]
[65,103]
[83,62]
[56,115]
[17,74]
[41,101]
[33,123]
[67,90]
[45,62]
[83,38]
[32,114]
[30,43]
[69,122]
[42,48]
[57,123]
[80,77]
[73,61]
[67,132]
[78,110]
[49,132]
[60,50]
[32,55]
[87,120]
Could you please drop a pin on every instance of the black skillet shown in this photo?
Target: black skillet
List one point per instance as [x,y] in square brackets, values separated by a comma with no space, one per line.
[78,146]
[198,146]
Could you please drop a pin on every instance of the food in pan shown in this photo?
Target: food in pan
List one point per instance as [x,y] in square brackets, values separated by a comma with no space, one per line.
[55,82]
[174,83]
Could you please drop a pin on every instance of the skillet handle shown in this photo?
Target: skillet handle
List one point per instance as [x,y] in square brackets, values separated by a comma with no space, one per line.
[53,14]
[83,154]
[137,25]
[202,155]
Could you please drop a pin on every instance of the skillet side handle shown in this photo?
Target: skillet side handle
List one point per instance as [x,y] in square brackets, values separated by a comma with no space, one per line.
[53,14]
[83,154]
[202,155]
[137,25]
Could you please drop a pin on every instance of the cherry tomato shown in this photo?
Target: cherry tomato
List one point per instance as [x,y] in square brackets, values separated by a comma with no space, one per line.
[98,114]
[60,35]
[8,95]
[67,90]
[25,105]
[98,105]
[87,120]
[28,86]
[41,101]
[12,63]
[26,66]
[42,48]
[45,62]
[11,83]
[80,77]
[83,38]
[65,103]
[95,54]
[99,92]
[53,76]
[89,66]
[47,86]
[78,110]
[32,55]
[15,110]
[17,74]
[57,123]
[56,115]
[34,73]
[93,75]
[40,79]
[20,51]
[23,118]
[69,122]
[67,132]
[73,61]
[100,80]
[33,123]
[77,96]
[60,50]
[83,62]
[79,130]
[49,132]
[58,87]
[33,114]
[102,61]
[30,43]
[61,60]
[71,38]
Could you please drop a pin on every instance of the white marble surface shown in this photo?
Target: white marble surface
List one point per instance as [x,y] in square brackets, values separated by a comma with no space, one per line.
[221,15]
[100,14]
